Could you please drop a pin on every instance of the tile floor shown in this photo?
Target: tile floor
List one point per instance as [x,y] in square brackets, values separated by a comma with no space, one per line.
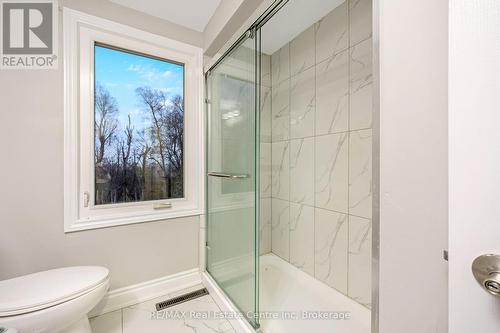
[139,317]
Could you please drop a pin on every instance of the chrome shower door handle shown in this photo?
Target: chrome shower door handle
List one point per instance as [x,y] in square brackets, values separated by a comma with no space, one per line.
[486,270]
[227,175]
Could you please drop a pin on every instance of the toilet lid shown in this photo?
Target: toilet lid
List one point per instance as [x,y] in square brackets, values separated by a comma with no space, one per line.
[44,289]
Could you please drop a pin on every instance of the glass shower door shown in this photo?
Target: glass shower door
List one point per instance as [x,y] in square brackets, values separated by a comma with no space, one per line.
[232,176]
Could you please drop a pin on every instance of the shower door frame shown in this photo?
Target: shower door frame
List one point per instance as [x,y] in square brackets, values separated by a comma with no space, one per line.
[254,28]
[229,304]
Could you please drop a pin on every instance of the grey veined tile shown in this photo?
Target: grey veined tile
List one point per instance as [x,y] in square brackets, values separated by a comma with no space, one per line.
[302,237]
[302,53]
[302,104]
[265,170]
[361,86]
[331,174]
[265,61]
[332,94]
[332,34]
[265,114]
[360,173]
[280,65]
[265,225]
[360,20]
[281,228]
[360,245]
[280,170]
[302,171]
[280,112]
[331,246]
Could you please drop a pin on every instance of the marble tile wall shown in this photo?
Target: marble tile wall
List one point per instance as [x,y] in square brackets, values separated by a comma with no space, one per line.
[265,156]
[316,142]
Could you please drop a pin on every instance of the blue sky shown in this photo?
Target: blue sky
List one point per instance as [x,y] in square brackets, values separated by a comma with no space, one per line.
[121,73]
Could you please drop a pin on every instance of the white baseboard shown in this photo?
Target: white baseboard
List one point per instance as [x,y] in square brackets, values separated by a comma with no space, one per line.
[225,304]
[141,292]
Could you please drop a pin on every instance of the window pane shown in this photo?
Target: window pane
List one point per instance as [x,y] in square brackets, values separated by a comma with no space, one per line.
[138,127]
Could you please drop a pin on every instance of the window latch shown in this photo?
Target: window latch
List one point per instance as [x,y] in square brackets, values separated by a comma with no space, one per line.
[162,206]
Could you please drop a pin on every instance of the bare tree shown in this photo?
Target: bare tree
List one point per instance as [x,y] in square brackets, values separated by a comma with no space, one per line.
[174,132]
[154,103]
[173,125]
[139,165]
[105,122]
[126,147]
[143,155]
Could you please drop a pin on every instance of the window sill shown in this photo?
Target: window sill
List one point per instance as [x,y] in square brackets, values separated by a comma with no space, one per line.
[113,221]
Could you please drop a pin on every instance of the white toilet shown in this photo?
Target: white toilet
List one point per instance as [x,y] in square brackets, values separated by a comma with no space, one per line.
[54,301]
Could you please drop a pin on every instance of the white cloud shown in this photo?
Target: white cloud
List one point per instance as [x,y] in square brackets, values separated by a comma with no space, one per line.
[149,73]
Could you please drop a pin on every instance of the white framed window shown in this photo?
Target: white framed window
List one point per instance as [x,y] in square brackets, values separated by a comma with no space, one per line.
[133,125]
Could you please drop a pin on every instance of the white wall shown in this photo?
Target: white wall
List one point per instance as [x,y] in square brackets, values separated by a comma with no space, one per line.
[222,14]
[128,16]
[413,59]
[31,194]
[474,159]
[226,23]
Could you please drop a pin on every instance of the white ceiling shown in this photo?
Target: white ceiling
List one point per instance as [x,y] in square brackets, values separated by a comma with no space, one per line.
[295,17]
[193,14]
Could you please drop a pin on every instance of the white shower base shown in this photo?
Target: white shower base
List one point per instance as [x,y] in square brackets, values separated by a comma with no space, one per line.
[285,288]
